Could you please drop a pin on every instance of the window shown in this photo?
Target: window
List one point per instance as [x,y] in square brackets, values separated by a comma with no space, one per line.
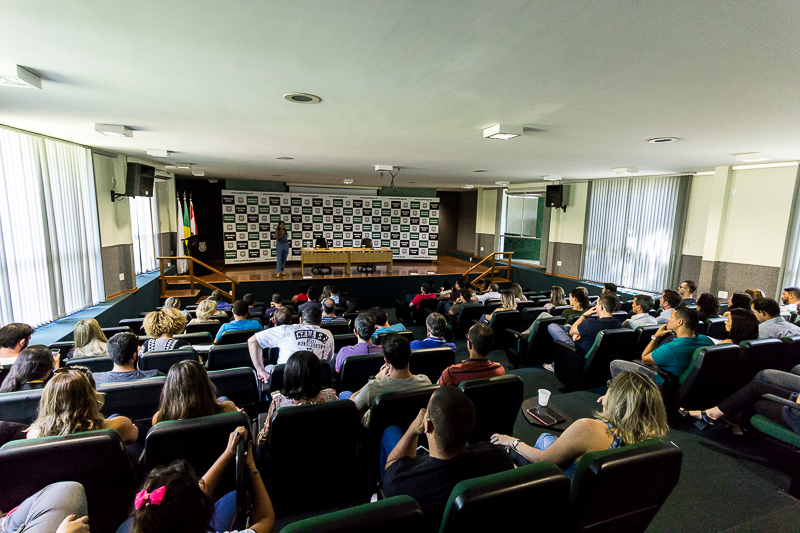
[50,262]
[522,226]
[144,233]
[634,226]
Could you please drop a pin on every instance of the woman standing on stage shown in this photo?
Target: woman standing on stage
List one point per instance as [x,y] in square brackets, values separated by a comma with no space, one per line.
[282,246]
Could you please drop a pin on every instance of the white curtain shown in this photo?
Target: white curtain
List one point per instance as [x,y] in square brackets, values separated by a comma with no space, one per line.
[50,264]
[144,233]
[634,227]
[790,272]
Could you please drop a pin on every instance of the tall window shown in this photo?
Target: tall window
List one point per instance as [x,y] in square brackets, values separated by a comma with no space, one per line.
[50,262]
[144,233]
[522,226]
[634,226]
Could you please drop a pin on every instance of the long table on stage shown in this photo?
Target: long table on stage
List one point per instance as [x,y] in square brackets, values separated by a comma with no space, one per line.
[346,256]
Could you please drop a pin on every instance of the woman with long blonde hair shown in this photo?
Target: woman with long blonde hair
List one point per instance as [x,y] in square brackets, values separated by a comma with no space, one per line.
[70,404]
[517,290]
[633,411]
[205,310]
[90,341]
[162,325]
[557,298]
[507,303]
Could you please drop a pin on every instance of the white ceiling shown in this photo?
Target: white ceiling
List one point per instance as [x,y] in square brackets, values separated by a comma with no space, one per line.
[412,83]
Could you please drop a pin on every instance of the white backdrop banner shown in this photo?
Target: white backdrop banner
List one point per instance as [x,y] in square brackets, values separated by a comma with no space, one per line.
[409,226]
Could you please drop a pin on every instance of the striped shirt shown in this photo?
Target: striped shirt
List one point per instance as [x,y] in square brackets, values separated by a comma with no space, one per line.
[471,369]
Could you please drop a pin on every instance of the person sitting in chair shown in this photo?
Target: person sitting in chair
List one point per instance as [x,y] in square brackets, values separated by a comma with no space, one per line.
[435,325]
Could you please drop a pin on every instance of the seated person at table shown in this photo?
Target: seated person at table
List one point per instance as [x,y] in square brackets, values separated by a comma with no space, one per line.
[291,338]
[670,300]
[707,306]
[507,303]
[90,341]
[393,376]
[31,370]
[364,328]
[642,304]
[382,322]
[633,412]
[240,322]
[425,292]
[329,315]
[584,331]
[673,357]
[205,310]
[312,301]
[162,325]
[70,404]
[222,306]
[771,324]
[189,393]
[302,385]
[435,325]
[123,349]
[276,303]
[741,325]
[480,341]
[429,478]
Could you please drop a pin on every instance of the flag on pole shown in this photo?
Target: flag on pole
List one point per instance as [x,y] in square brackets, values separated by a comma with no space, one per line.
[183,264]
[192,221]
[187,232]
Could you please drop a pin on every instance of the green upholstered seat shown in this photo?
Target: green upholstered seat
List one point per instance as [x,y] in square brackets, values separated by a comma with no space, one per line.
[400,514]
[768,427]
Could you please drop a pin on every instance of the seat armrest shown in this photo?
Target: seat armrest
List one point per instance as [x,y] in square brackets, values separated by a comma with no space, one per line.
[563,344]
[475,321]
[783,401]
[514,332]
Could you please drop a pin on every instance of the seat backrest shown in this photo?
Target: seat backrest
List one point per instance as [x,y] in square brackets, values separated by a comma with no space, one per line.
[763,354]
[622,316]
[428,304]
[296,438]
[469,312]
[474,503]
[497,401]
[63,347]
[163,360]
[338,329]
[525,305]
[540,345]
[641,339]
[622,489]
[21,407]
[357,369]
[399,514]
[712,376]
[134,323]
[609,344]
[350,318]
[239,385]
[95,459]
[209,326]
[96,364]
[110,332]
[431,362]
[138,400]
[199,337]
[529,314]
[229,356]
[792,350]
[715,327]
[491,305]
[408,335]
[275,381]
[556,311]
[236,337]
[340,341]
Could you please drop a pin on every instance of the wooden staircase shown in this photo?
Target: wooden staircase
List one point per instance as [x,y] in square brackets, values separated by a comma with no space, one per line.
[493,266]
[190,279]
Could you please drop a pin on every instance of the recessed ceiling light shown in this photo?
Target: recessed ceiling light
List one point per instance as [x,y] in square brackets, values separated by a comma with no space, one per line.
[12,75]
[347,182]
[751,158]
[198,173]
[158,153]
[468,186]
[285,158]
[766,165]
[185,166]
[662,140]
[502,183]
[502,132]
[302,98]
[705,173]
[626,170]
[113,130]
[480,171]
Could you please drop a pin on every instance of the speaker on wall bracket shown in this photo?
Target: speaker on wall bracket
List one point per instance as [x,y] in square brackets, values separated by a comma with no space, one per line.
[554,197]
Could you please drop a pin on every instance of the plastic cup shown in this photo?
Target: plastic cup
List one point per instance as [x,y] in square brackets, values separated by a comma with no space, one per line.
[544,397]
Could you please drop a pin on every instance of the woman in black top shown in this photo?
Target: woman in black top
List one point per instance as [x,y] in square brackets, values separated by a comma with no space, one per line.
[162,325]
[707,306]
[31,370]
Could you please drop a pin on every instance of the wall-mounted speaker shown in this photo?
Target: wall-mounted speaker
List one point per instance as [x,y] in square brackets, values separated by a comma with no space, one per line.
[554,196]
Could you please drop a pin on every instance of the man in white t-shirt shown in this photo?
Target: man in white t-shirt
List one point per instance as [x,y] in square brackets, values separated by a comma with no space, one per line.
[291,338]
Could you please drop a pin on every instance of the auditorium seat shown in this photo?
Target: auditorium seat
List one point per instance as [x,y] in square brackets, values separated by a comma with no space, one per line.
[408,335]
[497,402]
[528,316]
[64,347]
[210,326]
[715,328]
[556,311]
[622,489]
[21,406]
[525,305]
[239,385]
[134,323]
[577,370]
[95,459]
[533,494]
[431,362]
[622,316]
[425,307]
[229,356]
[763,354]
[792,349]
[400,514]
[276,379]
[236,337]
[350,317]
[780,444]
[163,360]
[110,332]
[138,399]
[459,324]
[357,369]
[340,341]
[501,322]
[200,338]
[491,305]
[95,364]
[641,338]
[535,348]
[337,329]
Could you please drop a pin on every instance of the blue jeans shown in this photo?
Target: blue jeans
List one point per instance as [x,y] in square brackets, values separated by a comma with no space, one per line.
[345,395]
[391,436]
[283,255]
[224,514]
[546,440]
[560,333]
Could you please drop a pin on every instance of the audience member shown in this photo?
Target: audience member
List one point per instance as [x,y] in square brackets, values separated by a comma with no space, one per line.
[70,404]
[302,294]
[557,298]
[707,306]
[335,294]
[480,341]
[189,393]
[755,293]
[13,338]
[673,357]
[741,325]
[771,324]
[311,302]
[393,376]
[739,300]
[281,317]
[579,300]
[436,325]
[429,478]
[516,289]
[241,311]
[492,294]
[507,303]
[174,302]
[790,298]
[450,296]
[426,292]
[276,303]
[445,290]
[364,328]
[186,503]
[670,300]
[31,370]
[686,292]
[612,288]
[162,325]
[633,412]
[250,300]
[291,338]
[222,306]
[326,293]
[206,310]
[583,332]
[382,323]
[329,313]
[462,299]
[302,385]
[642,304]
[59,507]
[123,350]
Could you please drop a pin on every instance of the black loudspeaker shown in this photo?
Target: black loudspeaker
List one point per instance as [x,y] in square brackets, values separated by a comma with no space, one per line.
[554,196]
[139,181]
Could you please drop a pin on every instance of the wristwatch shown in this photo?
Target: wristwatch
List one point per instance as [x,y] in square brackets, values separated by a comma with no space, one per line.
[653,338]
[514,445]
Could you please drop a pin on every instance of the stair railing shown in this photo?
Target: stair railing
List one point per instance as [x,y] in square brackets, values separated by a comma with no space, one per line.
[192,279]
[490,271]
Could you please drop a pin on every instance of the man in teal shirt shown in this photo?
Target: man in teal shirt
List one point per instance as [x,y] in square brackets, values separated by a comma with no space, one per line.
[673,357]
[240,313]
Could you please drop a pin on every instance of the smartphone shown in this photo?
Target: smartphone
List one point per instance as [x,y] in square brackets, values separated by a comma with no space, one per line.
[423,450]
[543,418]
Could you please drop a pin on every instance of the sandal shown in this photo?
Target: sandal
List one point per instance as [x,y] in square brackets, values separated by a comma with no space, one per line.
[701,423]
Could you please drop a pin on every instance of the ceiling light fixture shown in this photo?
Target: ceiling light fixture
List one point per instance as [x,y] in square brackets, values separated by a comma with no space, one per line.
[705,173]
[12,75]
[626,170]
[502,132]
[198,173]
[158,153]
[480,170]
[766,165]
[662,140]
[502,183]
[284,158]
[113,130]
[552,178]
[184,166]
[302,98]
[347,182]
[467,186]
[751,158]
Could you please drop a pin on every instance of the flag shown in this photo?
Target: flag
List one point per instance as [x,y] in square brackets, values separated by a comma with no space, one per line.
[187,232]
[192,221]
[183,264]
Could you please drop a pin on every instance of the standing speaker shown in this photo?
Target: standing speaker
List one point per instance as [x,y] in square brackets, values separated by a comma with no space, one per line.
[554,196]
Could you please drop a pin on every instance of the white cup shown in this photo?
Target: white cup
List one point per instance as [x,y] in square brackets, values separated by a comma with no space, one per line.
[544,397]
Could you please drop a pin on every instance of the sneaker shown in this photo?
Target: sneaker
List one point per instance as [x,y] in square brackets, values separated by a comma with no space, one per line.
[548,366]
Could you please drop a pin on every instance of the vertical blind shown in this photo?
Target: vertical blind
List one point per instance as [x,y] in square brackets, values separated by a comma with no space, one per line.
[145,246]
[634,229]
[50,263]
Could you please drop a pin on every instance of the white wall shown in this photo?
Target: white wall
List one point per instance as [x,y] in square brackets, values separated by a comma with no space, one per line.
[487,212]
[697,216]
[569,227]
